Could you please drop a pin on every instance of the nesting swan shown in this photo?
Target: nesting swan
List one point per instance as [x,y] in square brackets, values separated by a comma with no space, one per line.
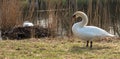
[27,24]
[87,33]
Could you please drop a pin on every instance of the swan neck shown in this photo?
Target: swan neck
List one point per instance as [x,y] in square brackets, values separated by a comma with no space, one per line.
[84,21]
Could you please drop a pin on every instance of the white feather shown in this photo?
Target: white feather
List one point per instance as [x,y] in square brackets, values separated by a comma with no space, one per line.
[27,23]
[87,33]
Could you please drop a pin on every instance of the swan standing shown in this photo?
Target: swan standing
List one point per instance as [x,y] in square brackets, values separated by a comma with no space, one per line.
[27,24]
[87,33]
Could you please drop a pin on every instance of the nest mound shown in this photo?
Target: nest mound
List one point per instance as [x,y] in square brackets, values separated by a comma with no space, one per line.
[27,32]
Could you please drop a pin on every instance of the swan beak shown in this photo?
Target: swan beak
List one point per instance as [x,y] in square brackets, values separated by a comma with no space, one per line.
[74,16]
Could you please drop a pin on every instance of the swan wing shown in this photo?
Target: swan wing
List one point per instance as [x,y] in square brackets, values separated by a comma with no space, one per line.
[93,31]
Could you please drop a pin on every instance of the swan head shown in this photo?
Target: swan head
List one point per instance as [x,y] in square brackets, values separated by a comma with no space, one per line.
[83,16]
[78,14]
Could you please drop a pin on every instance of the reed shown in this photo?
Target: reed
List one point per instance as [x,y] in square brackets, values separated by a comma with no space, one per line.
[10,14]
[57,14]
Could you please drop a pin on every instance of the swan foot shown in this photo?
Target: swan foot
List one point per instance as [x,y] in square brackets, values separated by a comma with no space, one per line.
[87,44]
[91,44]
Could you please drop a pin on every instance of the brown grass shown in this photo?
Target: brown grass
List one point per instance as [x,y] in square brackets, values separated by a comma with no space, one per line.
[56,48]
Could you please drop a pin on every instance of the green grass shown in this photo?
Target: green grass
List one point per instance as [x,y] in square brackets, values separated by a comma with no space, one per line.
[58,49]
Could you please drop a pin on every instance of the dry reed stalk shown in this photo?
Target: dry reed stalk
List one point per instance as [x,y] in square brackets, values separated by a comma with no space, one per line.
[11,13]
[101,13]
[89,11]
[106,18]
[52,17]
[31,11]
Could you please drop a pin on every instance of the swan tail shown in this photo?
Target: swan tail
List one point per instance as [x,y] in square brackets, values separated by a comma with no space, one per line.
[113,36]
[110,35]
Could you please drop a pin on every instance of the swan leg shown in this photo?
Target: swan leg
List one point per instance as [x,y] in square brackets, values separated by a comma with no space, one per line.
[87,44]
[91,44]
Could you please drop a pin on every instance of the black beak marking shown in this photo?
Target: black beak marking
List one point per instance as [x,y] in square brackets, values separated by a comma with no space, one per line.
[74,16]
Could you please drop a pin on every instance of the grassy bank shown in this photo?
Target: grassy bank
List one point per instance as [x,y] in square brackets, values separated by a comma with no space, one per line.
[58,49]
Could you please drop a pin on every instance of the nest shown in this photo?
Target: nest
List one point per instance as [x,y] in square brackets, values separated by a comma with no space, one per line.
[26,32]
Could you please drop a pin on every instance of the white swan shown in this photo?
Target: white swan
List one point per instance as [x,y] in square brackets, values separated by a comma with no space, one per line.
[87,33]
[27,24]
